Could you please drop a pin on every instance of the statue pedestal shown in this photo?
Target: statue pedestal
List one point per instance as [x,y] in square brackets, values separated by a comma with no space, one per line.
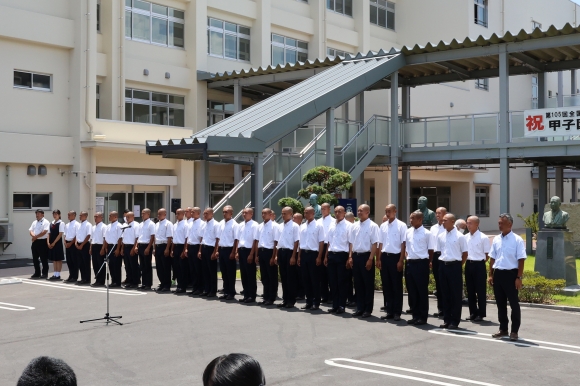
[555,255]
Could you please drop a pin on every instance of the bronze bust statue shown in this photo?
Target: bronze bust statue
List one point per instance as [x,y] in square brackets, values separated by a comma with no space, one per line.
[555,218]
[428,215]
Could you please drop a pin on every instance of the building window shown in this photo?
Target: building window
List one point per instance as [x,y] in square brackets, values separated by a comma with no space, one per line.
[482,84]
[228,40]
[287,50]
[482,201]
[98,15]
[218,111]
[383,13]
[217,191]
[436,196]
[155,24]
[536,195]
[98,101]
[340,6]
[155,108]
[32,81]
[31,201]
[480,12]
[335,52]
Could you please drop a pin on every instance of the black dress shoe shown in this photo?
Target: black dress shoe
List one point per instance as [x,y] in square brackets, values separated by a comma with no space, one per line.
[145,288]
[351,304]
[223,297]
[471,317]
[125,281]
[387,317]
[289,306]
[307,307]
[383,309]
[478,319]
[300,297]
[79,282]
[411,321]
[211,295]
[165,289]
[332,310]
[96,284]
[53,278]
[249,300]
[281,305]
[452,327]
[43,276]
[179,291]
[420,322]
[366,315]
[242,300]
[195,293]
[114,285]
[314,308]
[397,318]
[35,276]
[339,311]
[203,294]
[323,300]
[444,325]
[440,314]
[230,297]
[268,303]
[221,291]
[128,286]
[409,311]
[357,313]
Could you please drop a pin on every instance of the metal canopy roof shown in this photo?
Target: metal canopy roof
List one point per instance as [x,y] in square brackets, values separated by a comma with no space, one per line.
[530,52]
[254,129]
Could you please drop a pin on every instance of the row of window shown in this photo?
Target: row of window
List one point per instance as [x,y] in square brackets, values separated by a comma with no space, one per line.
[155,108]
[154,24]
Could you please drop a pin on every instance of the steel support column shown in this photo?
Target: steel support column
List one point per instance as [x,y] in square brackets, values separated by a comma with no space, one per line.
[359,190]
[395,137]
[574,186]
[258,186]
[560,182]
[504,132]
[330,137]
[201,176]
[560,96]
[359,103]
[542,192]
[237,108]
[573,82]
[405,210]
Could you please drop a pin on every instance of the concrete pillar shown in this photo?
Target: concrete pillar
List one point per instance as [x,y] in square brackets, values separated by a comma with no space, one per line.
[395,137]
[359,103]
[574,188]
[359,190]
[572,82]
[345,112]
[258,186]
[560,182]
[504,132]
[542,192]
[237,109]
[361,14]
[260,35]
[201,177]
[542,90]
[405,210]
[560,96]
[406,102]
[330,137]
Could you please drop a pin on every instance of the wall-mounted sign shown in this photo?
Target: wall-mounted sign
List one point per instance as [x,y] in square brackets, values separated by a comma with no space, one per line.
[560,121]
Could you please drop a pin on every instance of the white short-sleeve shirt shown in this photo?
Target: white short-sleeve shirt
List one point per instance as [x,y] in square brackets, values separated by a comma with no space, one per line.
[337,236]
[310,235]
[392,236]
[180,232]
[288,234]
[84,230]
[266,234]
[163,231]
[193,233]
[98,233]
[246,233]
[418,242]
[40,226]
[507,250]
[113,233]
[70,230]
[146,230]
[209,232]
[436,230]
[326,224]
[226,233]
[363,235]
[478,245]
[131,232]
[452,244]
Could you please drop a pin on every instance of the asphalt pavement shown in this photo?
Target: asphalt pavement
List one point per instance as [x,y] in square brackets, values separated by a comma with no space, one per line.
[168,339]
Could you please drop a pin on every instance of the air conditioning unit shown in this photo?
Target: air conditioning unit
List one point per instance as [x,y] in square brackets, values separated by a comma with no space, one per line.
[6,233]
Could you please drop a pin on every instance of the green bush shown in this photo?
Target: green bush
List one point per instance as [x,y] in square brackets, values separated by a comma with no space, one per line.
[293,203]
[537,289]
[531,222]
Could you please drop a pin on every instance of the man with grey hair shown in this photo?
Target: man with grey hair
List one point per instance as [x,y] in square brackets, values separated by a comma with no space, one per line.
[461,226]
[475,270]
[506,267]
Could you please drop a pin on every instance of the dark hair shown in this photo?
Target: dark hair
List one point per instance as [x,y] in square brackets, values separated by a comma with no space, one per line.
[56,211]
[126,211]
[234,370]
[47,371]
[39,211]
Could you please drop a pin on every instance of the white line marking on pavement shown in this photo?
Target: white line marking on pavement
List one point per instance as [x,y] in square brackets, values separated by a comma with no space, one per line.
[20,307]
[74,288]
[476,335]
[332,362]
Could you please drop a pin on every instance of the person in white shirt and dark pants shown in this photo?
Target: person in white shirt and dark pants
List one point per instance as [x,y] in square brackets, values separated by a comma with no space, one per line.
[70,235]
[130,258]
[436,230]
[163,241]
[326,295]
[39,233]
[453,249]
[112,248]
[266,236]
[508,254]
[178,250]
[192,251]
[227,254]
[419,245]
[364,239]
[209,253]
[245,251]
[336,259]
[84,248]
[310,257]
[97,250]
[286,257]
[478,246]
[144,249]
[392,247]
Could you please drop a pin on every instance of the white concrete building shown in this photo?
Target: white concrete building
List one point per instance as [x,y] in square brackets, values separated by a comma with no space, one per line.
[86,82]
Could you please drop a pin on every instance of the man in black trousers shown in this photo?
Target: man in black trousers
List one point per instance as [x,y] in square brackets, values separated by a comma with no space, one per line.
[419,245]
[128,251]
[84,248]
[286,255]
[245,251]
[39,233]
[392,247]
[436,230]
[144,250]
[506,267]
[208,252]
[453,247]
[227,243]
[475,270]
[192,251]
[97,250]
[178,250]
[163,241]
[310,258]
[266,236]
[336,259]
[112,247]
[70,236]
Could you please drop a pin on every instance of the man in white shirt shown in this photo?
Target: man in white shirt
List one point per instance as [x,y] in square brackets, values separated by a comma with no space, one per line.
[363,239]
[326,220]
[209,253]
[286,255]
[436,230]
[506,267]
[453,247]
[350,295]
[163,241]
[245,251]
[478,246]
[192,251]
[144,249]
[97,250]
[130,258]
[336,258]
[419,245]
[392,247]
[112,247]
[84,248]
[38,231]
[178,250]
[300,290]
[265,237]
[310,257]
[70,234]
[227,253]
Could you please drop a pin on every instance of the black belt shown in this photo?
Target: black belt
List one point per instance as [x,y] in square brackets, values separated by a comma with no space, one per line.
[285,249]
[392,254]
[476,261]
[143,243]
[161,244]
[207,246]
[337,253]
[265,249]
[450,262]
[178,244]
[225,247]
[309,251]
[244,248]
[411,261]
[361,253]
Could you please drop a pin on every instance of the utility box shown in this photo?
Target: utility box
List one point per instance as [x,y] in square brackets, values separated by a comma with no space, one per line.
[6,233]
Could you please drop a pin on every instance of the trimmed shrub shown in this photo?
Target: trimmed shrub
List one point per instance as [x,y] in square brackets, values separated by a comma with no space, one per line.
[293,203]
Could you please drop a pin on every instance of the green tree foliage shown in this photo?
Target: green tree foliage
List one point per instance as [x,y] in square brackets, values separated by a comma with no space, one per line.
[531,222]
[325,182]
[293,203]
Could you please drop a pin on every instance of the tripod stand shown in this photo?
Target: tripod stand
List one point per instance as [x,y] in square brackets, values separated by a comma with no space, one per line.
[107,318]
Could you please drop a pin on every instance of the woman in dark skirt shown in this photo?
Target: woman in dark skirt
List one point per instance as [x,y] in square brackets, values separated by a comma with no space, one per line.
[55,246]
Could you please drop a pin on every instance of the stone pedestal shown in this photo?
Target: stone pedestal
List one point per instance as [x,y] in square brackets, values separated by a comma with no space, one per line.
[555,255]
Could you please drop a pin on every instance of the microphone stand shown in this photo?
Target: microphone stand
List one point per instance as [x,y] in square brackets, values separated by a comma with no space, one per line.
[108,319]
